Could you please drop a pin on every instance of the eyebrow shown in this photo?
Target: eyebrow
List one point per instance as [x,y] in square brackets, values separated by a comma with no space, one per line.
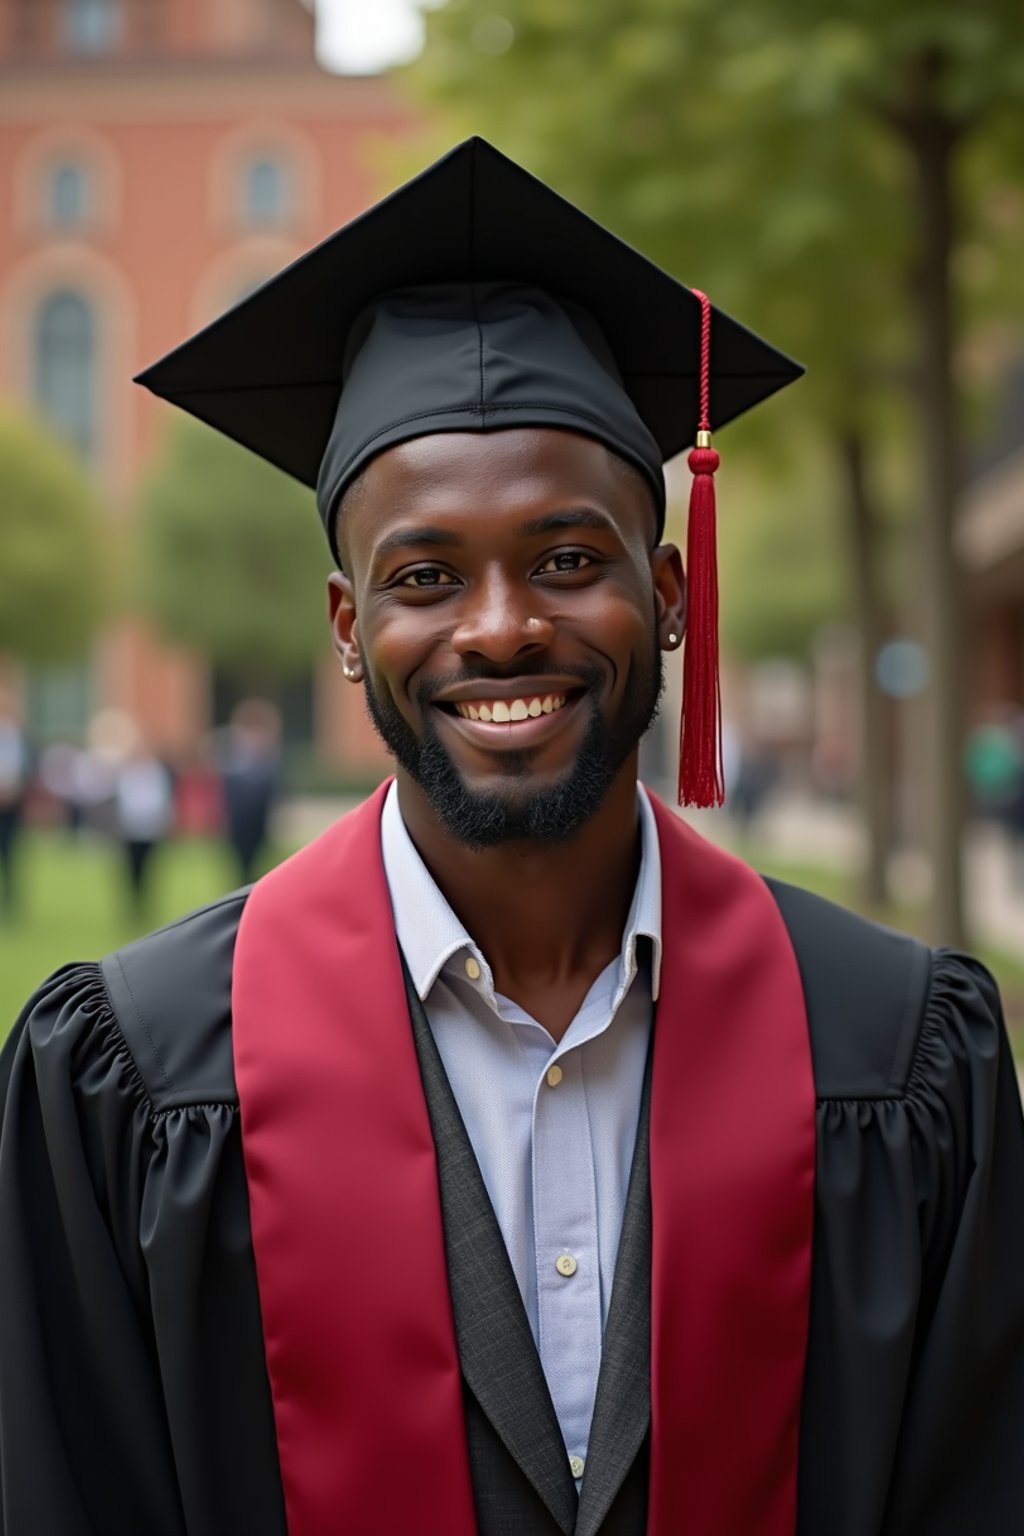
[413,538]
[572,517]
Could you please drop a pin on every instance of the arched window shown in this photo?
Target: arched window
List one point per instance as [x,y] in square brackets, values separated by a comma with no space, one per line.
[65,367]
[69,195]
[266,198]
[92,26]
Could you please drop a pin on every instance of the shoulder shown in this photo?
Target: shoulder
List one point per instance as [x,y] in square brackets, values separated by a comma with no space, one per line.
[171,997]
[879,1002]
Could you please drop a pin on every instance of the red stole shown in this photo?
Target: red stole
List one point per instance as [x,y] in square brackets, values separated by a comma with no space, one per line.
[346,1218]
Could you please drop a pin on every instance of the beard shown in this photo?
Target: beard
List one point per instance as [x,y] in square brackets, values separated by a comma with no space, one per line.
[553,813]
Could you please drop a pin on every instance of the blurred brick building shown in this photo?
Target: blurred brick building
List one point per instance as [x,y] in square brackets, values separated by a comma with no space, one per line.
[159,158]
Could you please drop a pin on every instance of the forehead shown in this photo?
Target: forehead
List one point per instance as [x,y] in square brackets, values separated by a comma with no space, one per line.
[482,478]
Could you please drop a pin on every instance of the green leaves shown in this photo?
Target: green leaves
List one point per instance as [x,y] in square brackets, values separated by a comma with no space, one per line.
[780,576]
[53,565]
[749,146]
[233,559]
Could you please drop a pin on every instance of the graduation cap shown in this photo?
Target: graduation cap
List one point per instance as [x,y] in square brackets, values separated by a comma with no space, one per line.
[475,298]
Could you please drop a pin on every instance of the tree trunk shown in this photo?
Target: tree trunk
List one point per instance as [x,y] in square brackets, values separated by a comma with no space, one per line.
[874,774]
[931,135]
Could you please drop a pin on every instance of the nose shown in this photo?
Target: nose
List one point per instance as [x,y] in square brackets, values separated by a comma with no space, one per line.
[498,620]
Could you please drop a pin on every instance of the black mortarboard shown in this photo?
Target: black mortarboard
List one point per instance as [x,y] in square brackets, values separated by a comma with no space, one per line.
[424,302]
[472,298]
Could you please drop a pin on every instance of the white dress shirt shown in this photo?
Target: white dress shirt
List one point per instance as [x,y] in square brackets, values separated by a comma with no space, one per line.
[552,1125]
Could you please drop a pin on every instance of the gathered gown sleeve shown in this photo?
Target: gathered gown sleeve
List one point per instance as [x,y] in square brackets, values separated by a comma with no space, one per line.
[83,1435]
[960,1455]
[913,1419]
[109,1368]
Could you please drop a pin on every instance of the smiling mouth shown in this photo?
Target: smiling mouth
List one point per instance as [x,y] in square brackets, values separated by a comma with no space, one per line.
[510,711]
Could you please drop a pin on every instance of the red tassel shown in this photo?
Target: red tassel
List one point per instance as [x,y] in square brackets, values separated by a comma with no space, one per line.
[701,777]
[701,772]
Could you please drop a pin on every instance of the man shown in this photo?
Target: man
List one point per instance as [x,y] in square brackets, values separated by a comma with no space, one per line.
[15,773]
[510,1160]
[248,762]
[143,815]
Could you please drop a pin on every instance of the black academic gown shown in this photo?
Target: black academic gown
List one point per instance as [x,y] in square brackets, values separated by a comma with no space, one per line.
[133,1388]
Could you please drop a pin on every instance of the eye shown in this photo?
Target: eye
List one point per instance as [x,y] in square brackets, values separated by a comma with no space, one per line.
[565,560]
[426,577]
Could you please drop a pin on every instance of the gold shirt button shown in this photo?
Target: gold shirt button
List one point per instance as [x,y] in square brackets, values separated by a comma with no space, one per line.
[554,1076]
[576,1466]
[565,1264]
[473,969]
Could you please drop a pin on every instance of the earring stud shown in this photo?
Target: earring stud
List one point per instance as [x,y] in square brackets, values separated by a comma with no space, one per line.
[672,638]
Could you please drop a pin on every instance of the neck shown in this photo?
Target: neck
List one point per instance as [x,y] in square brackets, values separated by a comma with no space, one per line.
[548,917]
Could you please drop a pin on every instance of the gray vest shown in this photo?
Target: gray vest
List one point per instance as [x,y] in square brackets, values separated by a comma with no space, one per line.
[522,1485]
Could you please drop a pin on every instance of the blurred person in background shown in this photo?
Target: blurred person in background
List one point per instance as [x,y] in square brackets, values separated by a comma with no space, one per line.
[1013,806]
[110,739]
[198,794]
[994,765]
[248,758]
[60,775]
[143,807]
[756,770]
[510,1161]
[15,778]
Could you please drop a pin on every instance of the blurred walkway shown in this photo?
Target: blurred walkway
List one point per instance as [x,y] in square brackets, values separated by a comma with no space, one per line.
[809,831]
[812,832]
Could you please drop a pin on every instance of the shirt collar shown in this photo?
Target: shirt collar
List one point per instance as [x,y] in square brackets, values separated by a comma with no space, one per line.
[429,932]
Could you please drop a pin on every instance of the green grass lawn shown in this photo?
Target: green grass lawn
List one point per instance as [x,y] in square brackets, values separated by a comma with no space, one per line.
[73,904]
[73,908]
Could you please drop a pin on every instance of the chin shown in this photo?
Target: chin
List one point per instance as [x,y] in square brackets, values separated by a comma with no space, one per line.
[515,785]
[513,797]
[533,808]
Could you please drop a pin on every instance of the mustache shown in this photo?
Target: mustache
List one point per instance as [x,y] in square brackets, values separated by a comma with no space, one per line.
[428,690]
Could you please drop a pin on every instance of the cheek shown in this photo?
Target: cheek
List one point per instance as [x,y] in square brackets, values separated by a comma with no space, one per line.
[399,644]
[614,618]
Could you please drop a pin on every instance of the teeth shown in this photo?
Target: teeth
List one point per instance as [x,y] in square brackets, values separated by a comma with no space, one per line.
[503,712]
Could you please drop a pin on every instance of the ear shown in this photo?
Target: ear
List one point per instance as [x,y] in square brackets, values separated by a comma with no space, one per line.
[669,596]
[341,610]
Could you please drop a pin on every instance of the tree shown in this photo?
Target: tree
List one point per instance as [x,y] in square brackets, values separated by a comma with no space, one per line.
[780,581]
[52,555]
[797,160]
[926,78]
[233,560]
[690,157]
